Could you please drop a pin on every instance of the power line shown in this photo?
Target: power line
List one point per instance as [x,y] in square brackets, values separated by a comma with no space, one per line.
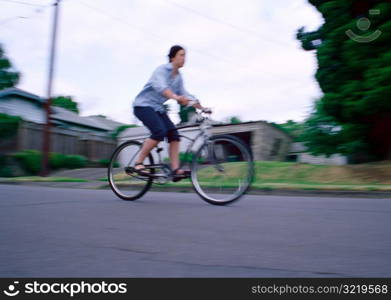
[36,11]
[132,26]
[160,38]
[5,21]
[23,3]
[157,37]
[233,26]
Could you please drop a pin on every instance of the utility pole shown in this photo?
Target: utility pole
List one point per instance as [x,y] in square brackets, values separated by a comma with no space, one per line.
[46,132]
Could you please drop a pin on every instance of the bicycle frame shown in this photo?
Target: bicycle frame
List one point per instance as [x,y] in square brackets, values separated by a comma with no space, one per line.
[205,151]
[204,134]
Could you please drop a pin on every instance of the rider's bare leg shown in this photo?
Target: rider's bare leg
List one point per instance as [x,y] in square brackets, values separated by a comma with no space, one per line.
[148,145]
[174,156]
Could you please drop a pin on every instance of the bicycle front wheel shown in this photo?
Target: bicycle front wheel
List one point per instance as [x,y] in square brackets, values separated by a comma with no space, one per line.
[125,183]
[222,170]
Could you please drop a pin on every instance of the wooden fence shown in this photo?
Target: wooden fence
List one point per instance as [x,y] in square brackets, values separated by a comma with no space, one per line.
[92,145]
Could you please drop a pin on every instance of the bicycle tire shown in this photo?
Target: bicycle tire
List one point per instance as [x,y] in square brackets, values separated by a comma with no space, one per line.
[113,185]
[229,139]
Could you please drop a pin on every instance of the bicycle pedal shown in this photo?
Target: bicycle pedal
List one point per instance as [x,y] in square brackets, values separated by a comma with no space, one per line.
[178,177]
[129,170]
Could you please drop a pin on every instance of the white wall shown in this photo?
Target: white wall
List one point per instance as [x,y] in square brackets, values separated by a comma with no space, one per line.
[141,133]
[26,109]
[334,159]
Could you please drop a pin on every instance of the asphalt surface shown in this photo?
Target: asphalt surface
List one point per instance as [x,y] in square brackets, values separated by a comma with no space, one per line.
[64,232]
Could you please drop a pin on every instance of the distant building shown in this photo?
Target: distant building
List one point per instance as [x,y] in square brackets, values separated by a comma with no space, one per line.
[16,102]
[265,140]
[298,153]
[30,107]
[70,133]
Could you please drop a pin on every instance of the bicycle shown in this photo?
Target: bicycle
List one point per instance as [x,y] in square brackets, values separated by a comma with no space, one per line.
[221,166]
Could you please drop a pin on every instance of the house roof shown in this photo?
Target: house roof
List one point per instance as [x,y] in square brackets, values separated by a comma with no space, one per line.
[107,122]
[68,116]
[63,115]
[21,93]
[255,122]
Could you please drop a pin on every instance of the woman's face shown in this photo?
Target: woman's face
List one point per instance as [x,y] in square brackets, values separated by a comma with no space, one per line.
[179,58]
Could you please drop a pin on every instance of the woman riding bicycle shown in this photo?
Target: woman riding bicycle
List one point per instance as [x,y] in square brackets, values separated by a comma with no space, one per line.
[165,83]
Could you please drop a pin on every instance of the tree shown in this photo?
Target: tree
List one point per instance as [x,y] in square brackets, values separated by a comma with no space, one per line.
[66,102]
[121,128]
[100,116]
[353,116]
[233,120]
[8,76]
[293,128]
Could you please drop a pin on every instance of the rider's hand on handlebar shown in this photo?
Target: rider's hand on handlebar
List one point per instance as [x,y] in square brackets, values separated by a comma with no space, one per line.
[182,100]
[206,110]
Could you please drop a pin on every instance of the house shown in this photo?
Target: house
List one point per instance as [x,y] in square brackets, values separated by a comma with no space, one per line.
[30,107]
[70,133]
[298,153]
[265,141]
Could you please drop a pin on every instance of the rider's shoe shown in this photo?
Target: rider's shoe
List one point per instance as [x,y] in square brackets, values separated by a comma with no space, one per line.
[143,171]
[179,176]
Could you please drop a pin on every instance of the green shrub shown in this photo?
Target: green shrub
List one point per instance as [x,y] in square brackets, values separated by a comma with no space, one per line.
[30,160]
[57,160]
[105,163]
[8,125]
[5,171]
[75,161]
[186,157]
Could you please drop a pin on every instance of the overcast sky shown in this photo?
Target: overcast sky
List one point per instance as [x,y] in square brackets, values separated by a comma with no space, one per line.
[242,56]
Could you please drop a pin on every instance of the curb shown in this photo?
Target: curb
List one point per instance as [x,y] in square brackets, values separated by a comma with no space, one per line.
[273,192]
[292,192]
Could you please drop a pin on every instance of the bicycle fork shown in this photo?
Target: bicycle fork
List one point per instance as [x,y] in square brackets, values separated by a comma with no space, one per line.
[212,157]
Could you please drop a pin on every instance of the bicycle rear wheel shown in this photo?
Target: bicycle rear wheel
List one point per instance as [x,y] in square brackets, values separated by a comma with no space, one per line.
[222,170]
[124,182]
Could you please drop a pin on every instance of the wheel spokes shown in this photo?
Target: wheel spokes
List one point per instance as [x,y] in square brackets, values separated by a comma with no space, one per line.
[225,170]
[124,181]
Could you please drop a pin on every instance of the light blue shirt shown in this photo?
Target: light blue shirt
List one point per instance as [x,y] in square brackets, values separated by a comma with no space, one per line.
[161,79]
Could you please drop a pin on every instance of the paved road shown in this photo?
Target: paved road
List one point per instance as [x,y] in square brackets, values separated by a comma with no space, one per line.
[62,232]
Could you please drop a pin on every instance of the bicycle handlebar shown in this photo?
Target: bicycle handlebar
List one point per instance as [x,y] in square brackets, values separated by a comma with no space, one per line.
[204,110]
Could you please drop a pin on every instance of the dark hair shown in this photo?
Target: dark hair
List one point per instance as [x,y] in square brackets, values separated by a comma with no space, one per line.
[173,51]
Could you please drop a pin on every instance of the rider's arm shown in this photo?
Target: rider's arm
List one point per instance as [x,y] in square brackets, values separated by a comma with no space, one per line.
[170,94]
[190,97]
[159,84]
[198,105]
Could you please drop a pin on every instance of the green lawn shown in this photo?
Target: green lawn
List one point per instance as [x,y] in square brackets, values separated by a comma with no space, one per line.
[288,175]
[43,179]
[280,175]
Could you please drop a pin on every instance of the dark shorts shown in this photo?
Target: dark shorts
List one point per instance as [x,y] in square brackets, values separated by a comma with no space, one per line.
[159,124]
